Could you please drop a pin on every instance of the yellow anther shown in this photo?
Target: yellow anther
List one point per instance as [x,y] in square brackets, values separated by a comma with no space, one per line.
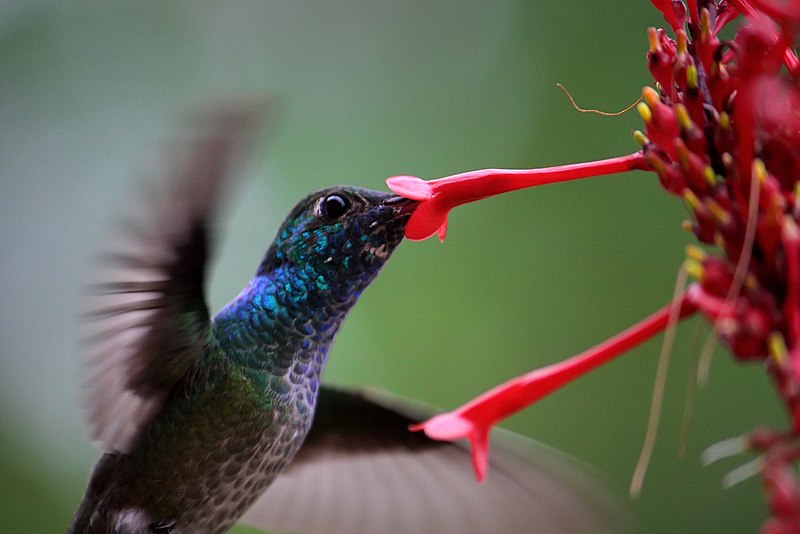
[719,241]
[694,268]
[644,112]
[705,22]
[691,199]
[652,37]
[681,43]
[656,163]
[709,176]
[724,120]
[718,212]
[682,114]
[750,281]
[651,97]
[640,138]
[687,226]
[760,170]
[777,348]
[691,76]
[683,153]
[696,253]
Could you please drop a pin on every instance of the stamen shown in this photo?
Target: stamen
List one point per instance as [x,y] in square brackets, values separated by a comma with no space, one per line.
[681,45]
[692,200]
[644,112]
[742,473]
[719,213]
[657,399]
[691,77]
[693,268]
[723,449]
[696,253]
[709,176]
[777,349]
[652,38]
[705,23]
[682,114]
[760,170]
[651,97]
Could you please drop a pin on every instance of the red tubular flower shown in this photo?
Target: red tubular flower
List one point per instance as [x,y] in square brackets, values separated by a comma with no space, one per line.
[438,197]
[474,419]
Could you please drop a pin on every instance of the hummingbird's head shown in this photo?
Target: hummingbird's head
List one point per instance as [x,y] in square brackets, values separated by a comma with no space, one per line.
[340,237]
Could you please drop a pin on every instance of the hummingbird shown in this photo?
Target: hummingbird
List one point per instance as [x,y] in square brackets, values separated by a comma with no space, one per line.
[209,420]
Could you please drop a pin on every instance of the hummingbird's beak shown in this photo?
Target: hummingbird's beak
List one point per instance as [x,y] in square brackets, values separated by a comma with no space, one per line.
[400,204]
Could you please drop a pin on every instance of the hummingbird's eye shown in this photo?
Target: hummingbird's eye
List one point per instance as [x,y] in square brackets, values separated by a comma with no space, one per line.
[333,207]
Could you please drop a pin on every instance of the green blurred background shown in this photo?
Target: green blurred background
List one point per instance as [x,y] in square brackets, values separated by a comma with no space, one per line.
[89,90]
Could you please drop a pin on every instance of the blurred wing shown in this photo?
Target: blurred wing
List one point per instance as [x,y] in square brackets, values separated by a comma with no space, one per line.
[362,471]
[147,317]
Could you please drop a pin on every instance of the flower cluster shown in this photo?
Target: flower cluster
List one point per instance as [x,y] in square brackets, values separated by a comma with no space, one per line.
[722,132]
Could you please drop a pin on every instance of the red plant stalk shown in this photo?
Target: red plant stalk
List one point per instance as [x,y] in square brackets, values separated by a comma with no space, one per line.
[721,132]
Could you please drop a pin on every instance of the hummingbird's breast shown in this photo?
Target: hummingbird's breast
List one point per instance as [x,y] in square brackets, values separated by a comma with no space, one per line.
[213,450]
[239,417]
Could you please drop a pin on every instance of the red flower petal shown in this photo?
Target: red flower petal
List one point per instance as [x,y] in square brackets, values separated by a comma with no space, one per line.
[452,426]
[429,217]
[410,187]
